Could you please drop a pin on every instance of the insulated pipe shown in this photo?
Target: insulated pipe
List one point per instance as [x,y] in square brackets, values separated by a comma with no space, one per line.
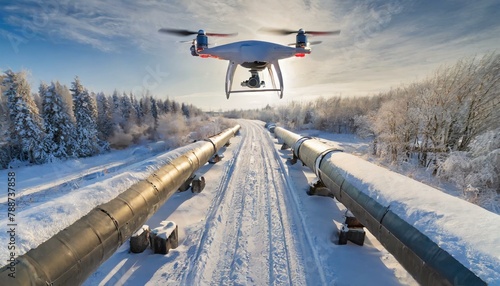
[424,259]
[74,253]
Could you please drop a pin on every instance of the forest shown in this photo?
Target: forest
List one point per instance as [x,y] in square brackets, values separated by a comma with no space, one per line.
[58,122]
[447,124]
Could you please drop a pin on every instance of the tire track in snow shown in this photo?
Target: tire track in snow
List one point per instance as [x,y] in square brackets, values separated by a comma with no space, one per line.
[205,236]
[279,270]
[194,242]
[250,239]
[253,233]
[222,256]
[301,237]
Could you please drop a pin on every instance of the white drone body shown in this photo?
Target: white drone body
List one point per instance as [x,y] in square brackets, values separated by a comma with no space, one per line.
[253,55]
[256,56]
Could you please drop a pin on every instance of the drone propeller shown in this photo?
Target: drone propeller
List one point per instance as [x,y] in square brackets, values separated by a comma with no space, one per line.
[315,43]
[192,42]
[310,43]
[289,32]
[182,32]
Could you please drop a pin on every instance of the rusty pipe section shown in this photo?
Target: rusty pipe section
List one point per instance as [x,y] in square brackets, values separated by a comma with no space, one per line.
[74,253]
[427,262]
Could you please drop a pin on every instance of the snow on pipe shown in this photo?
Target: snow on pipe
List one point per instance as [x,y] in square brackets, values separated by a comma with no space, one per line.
[74,253]
[436,237]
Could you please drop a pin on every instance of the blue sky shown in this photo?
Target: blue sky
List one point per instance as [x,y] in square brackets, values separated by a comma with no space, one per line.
[115,44]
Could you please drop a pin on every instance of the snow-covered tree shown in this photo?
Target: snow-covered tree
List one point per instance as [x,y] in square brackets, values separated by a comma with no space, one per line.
[482,105]
[59,127]
[25,131]
[125,108]
[477,172]
[116,111]
[133,110]
[154,113]
[4,114]
[396,126]
[85,110]
[167,106]
[139,112]
[4,125]
[104,119]
[175,106]
[185,110]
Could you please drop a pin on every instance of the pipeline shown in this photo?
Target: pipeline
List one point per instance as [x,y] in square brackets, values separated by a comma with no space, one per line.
[424,259]
[74,253]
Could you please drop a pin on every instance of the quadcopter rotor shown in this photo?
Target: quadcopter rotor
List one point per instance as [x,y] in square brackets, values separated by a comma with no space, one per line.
[183,32]
[285,32]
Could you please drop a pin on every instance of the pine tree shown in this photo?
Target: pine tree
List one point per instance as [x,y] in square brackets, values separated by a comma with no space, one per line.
[133,110]
[185,110]
[167,106]
[175,107]
[138,111]
[25,131]
[104,119]
[4,125]
[126,108]
[59,127]
[154,113]
[116,112]
[86,115]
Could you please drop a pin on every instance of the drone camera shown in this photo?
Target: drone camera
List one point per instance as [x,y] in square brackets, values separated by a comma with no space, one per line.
[253,82]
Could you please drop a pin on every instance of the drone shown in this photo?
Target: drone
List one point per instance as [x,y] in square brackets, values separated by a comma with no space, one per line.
[256,56]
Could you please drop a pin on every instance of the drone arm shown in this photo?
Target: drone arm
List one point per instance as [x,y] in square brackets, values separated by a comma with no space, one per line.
[280,77]
[229,77]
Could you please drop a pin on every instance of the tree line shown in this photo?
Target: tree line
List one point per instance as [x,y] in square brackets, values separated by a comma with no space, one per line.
[59,122]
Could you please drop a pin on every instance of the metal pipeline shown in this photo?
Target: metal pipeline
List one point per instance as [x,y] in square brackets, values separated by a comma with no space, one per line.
[74,253]
[427,262]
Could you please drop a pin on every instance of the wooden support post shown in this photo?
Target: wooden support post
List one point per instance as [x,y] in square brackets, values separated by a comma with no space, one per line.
[352,230]
[139,241]
[164,238]
[185,186]
[216,158]
[198,185]
[319,189]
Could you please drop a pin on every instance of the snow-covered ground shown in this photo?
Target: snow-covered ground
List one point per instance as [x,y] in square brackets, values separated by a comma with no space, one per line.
[253,224]
[51,197]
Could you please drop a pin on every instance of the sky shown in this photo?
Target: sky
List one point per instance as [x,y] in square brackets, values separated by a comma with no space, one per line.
[114,45]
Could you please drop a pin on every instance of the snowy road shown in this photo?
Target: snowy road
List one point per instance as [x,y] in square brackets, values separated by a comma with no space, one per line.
[250,237]
[253,225]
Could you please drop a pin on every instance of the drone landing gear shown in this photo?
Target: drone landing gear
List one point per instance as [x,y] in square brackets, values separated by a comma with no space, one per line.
[254,82]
